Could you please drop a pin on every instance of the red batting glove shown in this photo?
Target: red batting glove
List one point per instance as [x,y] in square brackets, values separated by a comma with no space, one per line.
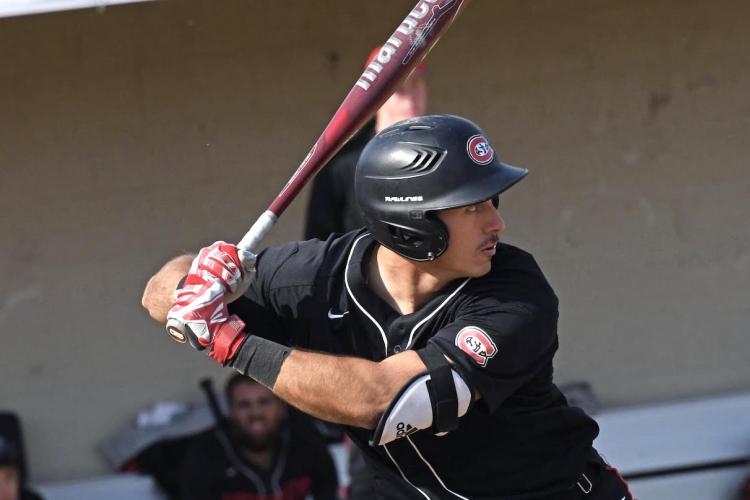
[231,266]
[200,317]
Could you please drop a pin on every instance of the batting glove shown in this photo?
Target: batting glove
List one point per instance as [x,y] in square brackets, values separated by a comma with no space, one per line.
[200,317]
[225,263]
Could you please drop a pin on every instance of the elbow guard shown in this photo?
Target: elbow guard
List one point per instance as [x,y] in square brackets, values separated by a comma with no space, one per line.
[433,400]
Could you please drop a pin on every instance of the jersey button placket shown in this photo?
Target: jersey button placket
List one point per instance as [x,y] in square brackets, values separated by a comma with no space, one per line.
[396,336]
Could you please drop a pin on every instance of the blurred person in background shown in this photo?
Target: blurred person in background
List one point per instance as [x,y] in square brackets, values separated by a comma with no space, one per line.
[331,207]
[258,455]
[745,492]
[11,484]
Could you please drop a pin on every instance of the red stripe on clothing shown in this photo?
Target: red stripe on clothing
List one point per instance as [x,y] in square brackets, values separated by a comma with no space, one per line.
[622,480]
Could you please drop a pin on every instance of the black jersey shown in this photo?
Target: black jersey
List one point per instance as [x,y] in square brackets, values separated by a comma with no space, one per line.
[213,469]
[520,440]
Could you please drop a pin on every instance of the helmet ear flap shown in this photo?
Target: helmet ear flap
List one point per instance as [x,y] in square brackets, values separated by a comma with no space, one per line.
[408,239]
[424,241]
[440,236]
[405,237]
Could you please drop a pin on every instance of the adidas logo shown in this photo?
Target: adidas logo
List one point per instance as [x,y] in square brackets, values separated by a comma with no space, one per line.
[404,429]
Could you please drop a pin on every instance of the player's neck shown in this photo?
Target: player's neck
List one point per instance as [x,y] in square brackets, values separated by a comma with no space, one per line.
[404,284]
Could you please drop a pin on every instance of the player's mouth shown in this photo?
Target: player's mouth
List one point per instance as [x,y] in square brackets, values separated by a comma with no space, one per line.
[489,246]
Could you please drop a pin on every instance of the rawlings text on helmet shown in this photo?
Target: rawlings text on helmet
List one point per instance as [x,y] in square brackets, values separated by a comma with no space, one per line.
[479,149]
[402,199]
[477,344]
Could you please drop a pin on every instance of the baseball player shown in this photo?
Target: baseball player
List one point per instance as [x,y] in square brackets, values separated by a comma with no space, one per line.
[431,340]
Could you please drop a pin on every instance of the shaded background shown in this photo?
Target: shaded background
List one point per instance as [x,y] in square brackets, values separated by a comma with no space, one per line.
[127,133]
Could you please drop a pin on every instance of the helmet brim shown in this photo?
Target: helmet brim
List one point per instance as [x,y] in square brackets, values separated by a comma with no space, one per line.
[498,181]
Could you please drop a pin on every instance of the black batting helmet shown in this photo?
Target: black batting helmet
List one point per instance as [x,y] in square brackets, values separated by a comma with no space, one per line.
[418,166]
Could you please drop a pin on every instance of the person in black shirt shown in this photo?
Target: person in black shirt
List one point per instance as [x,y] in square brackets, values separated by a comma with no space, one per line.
[431,340]
[259,456]
[332,207]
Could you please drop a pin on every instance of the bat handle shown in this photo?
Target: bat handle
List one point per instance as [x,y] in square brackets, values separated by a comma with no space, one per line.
[258,231]
[213,402]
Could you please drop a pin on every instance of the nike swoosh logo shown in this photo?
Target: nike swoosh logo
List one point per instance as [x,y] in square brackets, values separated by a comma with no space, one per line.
[333,315]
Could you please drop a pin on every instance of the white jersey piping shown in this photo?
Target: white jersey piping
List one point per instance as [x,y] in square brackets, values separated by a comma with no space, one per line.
[416,327]
[408,345]
[433,470]
[385,447]
[348,289]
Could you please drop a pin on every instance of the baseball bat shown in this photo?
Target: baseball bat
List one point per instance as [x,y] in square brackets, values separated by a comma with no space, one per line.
[398,57]
[207,385]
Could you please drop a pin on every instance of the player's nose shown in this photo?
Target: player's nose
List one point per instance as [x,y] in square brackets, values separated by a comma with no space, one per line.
[496,224]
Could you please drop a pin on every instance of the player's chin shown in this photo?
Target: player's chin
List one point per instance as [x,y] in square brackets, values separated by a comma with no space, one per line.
[480,269]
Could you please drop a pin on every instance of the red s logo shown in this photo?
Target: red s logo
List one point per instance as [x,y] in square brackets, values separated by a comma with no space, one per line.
[479,149]
[477,344]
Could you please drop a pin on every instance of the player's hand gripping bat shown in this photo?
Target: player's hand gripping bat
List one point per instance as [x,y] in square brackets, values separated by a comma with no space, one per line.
[400,54]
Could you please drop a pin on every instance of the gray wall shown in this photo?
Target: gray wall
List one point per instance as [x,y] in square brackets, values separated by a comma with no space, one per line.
[125,135]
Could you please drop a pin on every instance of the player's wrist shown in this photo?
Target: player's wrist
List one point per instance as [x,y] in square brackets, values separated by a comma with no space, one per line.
[260,359]
[227,340]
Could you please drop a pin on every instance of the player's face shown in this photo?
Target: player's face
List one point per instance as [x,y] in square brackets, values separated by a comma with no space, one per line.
[256,414]
[473,234]
[8,482]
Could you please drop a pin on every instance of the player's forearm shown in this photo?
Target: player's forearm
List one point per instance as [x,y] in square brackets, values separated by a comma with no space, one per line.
[158,296]
[339,389]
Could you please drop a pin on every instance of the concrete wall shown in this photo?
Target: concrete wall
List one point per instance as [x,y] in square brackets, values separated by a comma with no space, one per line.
[126,135]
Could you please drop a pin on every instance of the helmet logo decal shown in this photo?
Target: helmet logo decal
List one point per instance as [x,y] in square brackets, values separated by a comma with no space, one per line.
[477,344]
[479,149]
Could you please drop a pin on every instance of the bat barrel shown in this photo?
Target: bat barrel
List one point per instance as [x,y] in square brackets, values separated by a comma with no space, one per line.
[398,57]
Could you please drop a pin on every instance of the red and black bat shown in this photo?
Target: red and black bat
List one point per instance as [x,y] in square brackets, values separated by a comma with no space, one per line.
[398,57]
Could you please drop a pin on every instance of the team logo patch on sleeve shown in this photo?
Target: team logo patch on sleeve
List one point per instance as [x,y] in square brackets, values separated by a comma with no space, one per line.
[479,149]
[477,344]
